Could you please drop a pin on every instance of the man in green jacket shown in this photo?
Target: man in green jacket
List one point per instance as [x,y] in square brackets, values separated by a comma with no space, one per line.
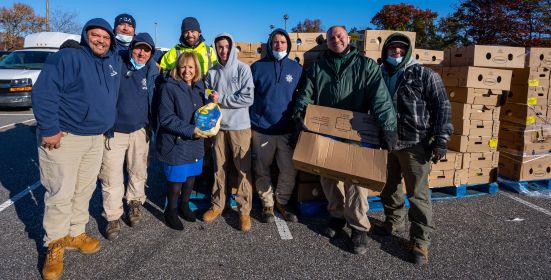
[342,78]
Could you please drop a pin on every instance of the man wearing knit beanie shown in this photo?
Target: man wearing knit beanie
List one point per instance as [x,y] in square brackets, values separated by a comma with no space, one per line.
[191,40]
[125,28]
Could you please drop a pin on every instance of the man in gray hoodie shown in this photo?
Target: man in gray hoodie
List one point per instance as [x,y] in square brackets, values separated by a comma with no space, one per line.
[233,89]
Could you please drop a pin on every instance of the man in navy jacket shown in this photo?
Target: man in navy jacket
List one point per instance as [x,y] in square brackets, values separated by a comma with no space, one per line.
[275,79]
[74,102]
[128,141]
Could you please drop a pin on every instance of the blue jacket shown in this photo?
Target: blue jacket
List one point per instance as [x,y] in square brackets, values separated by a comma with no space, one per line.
[275,82]
[134,107]
[76,91]
[178,103]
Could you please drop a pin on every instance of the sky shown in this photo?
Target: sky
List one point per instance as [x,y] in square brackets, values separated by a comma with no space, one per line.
[246,21]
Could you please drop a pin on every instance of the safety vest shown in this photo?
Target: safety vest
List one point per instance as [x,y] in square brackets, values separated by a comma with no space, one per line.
[204,53]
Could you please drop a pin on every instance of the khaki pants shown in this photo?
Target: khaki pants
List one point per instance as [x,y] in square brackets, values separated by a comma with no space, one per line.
[347,201]
[69,175]
[236,144]
[265,148]
[134,148]
[414,165]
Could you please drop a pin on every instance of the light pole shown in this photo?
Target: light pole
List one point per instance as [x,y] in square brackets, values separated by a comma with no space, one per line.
[285,18]
[47,16]
[156,33]
[272,27]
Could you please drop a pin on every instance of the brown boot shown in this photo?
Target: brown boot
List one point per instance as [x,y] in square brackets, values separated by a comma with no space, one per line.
[84,242]
[420,254]
[211,215]
[245,223]
[135,214]
[53,267]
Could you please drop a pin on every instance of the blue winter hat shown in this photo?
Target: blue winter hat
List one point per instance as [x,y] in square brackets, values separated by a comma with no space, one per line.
[125,18]
[190,23]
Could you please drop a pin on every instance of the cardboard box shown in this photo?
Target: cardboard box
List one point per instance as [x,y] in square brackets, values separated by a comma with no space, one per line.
[345,124]
[447,58]
[474,112]
[521,140]
[375,55]
[470,144]
[525,168]
[533,77]
[523,114]
[306,59]
[481,160]
[428,56]
[309,41]
[248,60]
[435,68]
[524,94]
[324,156]
[538,57]
[481,175]
[309,192]
[477,77]
[373,40]
[475,127]
[488,56]
[451,161]
[443,178]
[248,50]
[479,96]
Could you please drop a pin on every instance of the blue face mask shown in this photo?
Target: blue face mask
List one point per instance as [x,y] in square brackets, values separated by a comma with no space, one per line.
[394,61]
[136,65]
[279,55]
[126,39]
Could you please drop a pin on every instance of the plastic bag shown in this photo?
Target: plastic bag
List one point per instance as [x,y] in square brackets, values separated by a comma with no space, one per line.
[207,119]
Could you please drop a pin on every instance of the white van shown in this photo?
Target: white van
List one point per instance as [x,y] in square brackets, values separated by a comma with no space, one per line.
[20,69]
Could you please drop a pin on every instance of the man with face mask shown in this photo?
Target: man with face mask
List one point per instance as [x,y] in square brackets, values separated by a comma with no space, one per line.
[276,78]
[128,140]
[424,127]
[191,40]
[125,29]
[342,78]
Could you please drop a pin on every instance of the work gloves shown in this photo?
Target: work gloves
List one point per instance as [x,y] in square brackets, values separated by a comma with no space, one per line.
[439,150]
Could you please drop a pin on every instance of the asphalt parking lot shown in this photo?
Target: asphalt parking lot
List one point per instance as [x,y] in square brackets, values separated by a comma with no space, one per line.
[499,236]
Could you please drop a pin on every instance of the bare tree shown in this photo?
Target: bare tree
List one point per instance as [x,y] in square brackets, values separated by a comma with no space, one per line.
[18,21]
[63,21]
[309,26]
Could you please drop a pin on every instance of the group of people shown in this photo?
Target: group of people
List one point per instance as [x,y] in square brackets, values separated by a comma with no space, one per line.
[99,104]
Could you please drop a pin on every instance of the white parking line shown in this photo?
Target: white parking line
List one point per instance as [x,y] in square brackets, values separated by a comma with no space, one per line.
[13,124]
[531,205]
[19,196]
[282,227]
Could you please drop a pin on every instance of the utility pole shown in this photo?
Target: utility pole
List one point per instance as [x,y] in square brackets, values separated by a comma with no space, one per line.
[156,33]
[285,18]
[47,16]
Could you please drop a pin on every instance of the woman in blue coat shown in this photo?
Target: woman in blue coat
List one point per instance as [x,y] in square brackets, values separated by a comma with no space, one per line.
[179,142]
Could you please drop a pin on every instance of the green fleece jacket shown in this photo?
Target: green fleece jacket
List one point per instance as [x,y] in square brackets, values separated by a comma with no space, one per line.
[350,82]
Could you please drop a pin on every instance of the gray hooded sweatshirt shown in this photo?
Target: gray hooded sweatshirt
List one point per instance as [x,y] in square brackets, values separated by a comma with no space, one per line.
[234,84]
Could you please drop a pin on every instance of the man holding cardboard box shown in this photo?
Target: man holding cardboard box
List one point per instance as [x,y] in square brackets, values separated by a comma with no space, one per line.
[342,78]
[424,127]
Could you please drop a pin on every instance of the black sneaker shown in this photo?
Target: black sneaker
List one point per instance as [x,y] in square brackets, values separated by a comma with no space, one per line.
[286,212]
[334,227]
[135,214]
[359,241]
[268,214]
[113,229]
[172,220]
[186,213]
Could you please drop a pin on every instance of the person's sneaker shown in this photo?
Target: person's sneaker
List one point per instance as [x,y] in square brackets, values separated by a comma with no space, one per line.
[268,214]
[286,212]
[386,229]
[419,254]
[113,229]
[53,266]
[211,215]
[334,227]
[359,241]
[186,213]
[245,223]
[85,243]
[135,215]
[172,220]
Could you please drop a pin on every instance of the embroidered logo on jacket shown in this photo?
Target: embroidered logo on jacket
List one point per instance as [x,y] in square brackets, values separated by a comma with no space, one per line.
[144,84]
[289,78]
[113,72]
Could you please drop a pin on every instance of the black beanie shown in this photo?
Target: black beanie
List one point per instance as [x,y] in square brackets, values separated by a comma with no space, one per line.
[125,18]
[190,23]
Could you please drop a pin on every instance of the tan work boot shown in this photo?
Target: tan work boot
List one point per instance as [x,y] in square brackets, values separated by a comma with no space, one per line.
[84,242]
[211,215]
[245,223]
[53,266]
[419,254]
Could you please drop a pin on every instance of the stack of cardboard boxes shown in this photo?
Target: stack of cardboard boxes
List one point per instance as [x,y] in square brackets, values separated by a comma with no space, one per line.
[248,52]
[525,136]
[475,78]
